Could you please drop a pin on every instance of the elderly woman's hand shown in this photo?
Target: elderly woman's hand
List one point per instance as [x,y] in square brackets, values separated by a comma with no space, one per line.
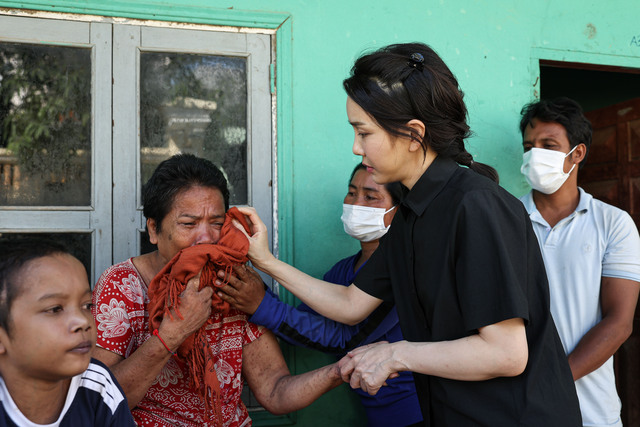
[195,308]
[259,253]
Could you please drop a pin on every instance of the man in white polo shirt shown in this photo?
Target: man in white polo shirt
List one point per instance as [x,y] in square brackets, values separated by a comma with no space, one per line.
[591,252]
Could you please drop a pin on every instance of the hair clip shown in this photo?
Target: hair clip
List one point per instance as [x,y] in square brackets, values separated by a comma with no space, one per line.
[417,61]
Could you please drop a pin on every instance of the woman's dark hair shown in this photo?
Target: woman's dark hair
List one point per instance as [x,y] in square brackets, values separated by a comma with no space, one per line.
[564,111]
[14,255]
[396,190]
[177,174]
[402,82]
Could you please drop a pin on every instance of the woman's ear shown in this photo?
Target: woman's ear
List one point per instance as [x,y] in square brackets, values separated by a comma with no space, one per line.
[153,231]
[418,128]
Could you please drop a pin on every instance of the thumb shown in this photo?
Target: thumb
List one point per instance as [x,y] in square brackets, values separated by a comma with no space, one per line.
[194,283]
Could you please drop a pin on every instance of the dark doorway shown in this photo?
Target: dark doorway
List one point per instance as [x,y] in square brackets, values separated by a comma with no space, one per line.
[610,97]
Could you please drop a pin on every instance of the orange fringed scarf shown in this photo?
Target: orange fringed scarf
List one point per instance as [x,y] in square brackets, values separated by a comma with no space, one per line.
[171,281]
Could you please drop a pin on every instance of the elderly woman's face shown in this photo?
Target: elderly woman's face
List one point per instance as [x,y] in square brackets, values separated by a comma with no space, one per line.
[196,217]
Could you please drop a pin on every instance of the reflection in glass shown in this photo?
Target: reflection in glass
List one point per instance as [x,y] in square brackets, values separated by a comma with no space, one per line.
[78,244]
[195,104]
[45,125]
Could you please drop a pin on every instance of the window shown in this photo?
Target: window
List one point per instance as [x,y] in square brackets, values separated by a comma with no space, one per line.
[88,110]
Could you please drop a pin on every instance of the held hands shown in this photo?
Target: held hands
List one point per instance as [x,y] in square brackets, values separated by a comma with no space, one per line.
[368,367]
[259,253]
[244,290]
[195,308]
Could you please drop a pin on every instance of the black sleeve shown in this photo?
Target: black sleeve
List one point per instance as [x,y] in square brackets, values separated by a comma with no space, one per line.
[373,278]
[491,258]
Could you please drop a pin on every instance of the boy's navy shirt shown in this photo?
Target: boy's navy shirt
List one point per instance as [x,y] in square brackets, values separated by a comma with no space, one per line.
[94,399]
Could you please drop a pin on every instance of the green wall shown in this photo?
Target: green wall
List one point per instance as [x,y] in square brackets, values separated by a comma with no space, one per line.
[492,46]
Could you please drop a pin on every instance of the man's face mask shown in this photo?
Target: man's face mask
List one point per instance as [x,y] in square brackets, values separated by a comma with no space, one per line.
[364,223]
[544,169]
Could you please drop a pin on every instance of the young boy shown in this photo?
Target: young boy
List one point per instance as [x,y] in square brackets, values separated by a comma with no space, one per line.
[47,335]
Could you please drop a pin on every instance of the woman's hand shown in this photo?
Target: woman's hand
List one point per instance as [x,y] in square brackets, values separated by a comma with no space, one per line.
[368,367]
[259,253]
[244,290]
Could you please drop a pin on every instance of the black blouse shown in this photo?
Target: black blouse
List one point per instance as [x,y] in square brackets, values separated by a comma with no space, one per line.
[461,254]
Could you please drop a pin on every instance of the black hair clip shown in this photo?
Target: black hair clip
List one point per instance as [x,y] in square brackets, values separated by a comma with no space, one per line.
[417,61]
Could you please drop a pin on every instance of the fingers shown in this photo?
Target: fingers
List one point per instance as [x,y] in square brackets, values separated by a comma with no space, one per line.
[243,272]
[254,219]
[346,365]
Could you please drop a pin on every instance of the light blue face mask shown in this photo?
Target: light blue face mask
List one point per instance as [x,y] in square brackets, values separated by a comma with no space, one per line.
[363,222]
[544,169]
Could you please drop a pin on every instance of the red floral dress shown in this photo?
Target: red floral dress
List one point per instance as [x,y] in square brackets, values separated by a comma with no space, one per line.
[120,301]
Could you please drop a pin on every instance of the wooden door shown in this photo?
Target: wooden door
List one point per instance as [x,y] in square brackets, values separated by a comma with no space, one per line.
[612,174]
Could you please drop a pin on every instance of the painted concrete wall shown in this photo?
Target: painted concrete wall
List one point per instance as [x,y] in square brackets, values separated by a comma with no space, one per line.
[492,46]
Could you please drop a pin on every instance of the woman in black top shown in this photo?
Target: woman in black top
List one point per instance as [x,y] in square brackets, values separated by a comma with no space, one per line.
[460,261]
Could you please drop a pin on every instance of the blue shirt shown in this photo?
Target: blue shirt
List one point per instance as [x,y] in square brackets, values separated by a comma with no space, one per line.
[394,405]
[596,240]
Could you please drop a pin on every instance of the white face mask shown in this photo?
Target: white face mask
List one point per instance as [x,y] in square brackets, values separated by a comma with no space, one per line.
[544,169]
[364,223]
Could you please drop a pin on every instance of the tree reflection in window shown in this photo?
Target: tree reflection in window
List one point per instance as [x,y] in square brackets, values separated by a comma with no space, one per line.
[45,125]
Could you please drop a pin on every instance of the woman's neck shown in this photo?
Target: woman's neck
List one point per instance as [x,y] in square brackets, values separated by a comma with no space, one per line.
[367,249]
[419,167]
[148,265]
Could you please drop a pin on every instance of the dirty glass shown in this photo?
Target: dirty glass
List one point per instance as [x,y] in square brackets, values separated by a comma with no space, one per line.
[45,125]
[195,104]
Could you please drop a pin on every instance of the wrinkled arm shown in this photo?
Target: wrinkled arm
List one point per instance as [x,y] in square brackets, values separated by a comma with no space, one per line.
[137,372]
[273,385]
[618,298]
[498,350]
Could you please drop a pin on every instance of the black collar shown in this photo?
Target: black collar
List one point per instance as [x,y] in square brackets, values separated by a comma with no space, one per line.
[432,181]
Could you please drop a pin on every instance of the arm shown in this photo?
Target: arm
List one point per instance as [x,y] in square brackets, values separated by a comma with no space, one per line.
[498,350]
[273,385]
[298,326]
[618,299]
[347,305]
[137,372]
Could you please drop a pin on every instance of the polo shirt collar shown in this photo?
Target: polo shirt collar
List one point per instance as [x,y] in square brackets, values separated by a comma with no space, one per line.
[583,205]
[430,184]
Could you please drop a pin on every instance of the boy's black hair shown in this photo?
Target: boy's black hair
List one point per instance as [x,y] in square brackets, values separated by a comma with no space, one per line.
[14,255]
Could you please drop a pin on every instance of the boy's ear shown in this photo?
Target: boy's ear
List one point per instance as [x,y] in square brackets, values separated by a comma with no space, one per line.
[3,339]
[418,127]
[153,231]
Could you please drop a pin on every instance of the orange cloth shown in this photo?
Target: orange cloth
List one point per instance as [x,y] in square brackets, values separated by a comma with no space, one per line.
[170,282]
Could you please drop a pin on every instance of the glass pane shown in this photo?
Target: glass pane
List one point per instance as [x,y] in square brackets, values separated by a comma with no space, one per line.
[78,244]
[45,125]
[195,104]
